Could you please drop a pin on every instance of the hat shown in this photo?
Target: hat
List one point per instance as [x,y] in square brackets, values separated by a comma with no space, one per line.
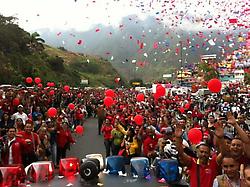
[20,106]
[228,136]
[167,130]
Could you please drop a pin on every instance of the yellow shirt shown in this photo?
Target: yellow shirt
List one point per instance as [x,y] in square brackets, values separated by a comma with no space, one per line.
[133,146]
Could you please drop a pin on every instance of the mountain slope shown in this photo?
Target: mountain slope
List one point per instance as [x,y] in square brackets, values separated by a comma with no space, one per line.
[23,54]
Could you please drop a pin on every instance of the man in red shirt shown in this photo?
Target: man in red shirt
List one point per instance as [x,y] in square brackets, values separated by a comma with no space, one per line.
[12,148]
[32,141]
[101,115]
[203,170]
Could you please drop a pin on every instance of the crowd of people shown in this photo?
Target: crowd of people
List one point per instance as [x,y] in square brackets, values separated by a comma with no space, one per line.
[221,158]
[27,132]
[222,119]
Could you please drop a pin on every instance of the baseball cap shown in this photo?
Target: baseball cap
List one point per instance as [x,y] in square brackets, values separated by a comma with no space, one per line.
[228,136]
[20,106]
[167,130]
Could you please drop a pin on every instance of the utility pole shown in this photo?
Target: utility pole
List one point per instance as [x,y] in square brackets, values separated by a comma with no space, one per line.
[181,62]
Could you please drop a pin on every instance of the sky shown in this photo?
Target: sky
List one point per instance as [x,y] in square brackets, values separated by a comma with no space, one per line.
[81,15]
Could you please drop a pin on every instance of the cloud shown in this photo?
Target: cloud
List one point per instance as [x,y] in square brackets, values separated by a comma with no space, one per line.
[81,15]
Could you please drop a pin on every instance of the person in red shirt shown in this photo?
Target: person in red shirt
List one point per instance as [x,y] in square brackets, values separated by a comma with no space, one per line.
[32,141]
[63,140]
[78,116]
[150,144]
[12,148]
[202,170]
[106,130]
[101,114]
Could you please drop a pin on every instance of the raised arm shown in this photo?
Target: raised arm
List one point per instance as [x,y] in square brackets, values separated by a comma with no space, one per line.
[220,142]
[242,134]
[184,158]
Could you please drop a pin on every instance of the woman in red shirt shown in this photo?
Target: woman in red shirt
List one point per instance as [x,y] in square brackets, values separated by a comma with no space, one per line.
[106,130]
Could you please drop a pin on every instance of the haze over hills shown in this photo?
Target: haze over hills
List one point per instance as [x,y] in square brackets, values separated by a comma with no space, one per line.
[144,49]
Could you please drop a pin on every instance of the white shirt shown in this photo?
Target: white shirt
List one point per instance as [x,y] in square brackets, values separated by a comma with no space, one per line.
[232,183]
[10,150]
[17,115]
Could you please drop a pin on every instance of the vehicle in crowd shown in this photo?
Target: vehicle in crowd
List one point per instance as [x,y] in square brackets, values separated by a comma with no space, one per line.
[202,92]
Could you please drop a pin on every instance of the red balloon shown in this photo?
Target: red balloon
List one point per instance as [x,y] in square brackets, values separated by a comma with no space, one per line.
[71,106]
[79,129]
[52,92]
[40,85]
[156,96]
[187,106]
[182,110]
[52,112]
[138,119]
[108,101]
[29,80]
[16,101]
[160,90]
[66,88]
[50,84]
[140,97]
[195,136]
[214,85]
[37,80]
[109,93]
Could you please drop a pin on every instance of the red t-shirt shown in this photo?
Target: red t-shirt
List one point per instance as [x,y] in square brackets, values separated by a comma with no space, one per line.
[29,146]
[149,144]
[106,130]
[207,173]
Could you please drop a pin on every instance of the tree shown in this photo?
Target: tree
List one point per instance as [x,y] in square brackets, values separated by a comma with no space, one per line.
[56,63]
[36,43]
[208,71]
[12,38]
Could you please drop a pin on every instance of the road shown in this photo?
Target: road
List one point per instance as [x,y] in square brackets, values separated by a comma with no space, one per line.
[90,142]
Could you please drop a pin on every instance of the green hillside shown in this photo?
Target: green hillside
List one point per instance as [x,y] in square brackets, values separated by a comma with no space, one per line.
[23,54]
